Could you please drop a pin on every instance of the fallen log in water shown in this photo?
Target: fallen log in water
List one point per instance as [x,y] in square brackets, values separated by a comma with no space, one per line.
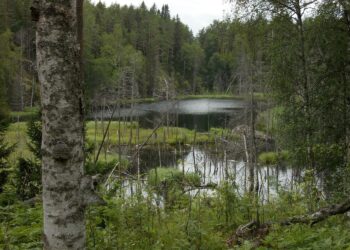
[256,231]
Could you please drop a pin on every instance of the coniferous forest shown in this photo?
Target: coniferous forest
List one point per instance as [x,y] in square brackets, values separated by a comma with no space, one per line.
[122,129]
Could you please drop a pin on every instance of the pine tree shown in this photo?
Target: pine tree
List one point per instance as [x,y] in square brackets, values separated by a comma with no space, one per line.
[28,171]
[5,151]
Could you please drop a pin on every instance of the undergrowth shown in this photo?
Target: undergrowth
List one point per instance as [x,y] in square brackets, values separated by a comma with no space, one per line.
[138,221]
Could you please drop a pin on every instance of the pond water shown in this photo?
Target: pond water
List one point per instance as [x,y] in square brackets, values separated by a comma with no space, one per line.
[214,165]
[218,169]
[199,114]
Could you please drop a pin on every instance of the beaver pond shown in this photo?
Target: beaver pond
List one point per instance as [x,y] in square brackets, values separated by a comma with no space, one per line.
[213,162]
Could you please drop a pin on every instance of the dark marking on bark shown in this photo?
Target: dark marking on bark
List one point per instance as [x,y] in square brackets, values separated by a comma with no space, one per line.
[58,11]
[45,241]
[35,11]
[62,188]
[72,240]
[61,151]
[88,188]
[81,107]
[72,218]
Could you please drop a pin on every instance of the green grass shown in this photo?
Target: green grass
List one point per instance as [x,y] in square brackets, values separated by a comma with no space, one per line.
[197,222]
[170,135]
[16,134]
[172,176]
[24,115]
[273,158]
[206,222]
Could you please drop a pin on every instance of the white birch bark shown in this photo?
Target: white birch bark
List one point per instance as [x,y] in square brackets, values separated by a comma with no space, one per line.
[66,191]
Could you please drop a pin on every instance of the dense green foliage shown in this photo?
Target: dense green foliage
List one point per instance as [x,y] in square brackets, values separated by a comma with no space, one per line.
[293,65]
[273,158]
[302,62]
[5,151]
[136,222]
[172,177]
[129,52]
[16,54]
[28,179]
[137,52]
[28,170]
[8,68]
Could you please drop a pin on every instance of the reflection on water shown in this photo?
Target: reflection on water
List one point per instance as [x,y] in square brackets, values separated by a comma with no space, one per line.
[193,107]
[200,114]
[215,169]
[218,170]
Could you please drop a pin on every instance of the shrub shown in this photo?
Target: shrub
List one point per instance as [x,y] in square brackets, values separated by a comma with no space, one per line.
[28,176]
[273,158]
[171,177]
[5,151]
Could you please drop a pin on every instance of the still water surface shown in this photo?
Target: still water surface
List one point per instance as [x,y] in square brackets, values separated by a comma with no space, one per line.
[199,114]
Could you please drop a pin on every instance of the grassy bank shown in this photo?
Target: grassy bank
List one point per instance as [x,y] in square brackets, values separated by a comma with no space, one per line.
[16,134]
[25,115]
[129,133]
[137,220]
[125,133]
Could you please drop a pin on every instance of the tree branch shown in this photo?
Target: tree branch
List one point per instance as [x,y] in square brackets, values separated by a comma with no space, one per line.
[257,231]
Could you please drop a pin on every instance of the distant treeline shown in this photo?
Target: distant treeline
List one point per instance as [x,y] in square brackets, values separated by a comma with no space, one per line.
[129,52]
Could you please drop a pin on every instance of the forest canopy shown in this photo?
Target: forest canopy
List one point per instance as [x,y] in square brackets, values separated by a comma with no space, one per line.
[267,169]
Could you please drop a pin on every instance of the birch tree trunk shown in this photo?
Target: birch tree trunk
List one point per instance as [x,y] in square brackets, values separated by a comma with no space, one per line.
[59,67]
